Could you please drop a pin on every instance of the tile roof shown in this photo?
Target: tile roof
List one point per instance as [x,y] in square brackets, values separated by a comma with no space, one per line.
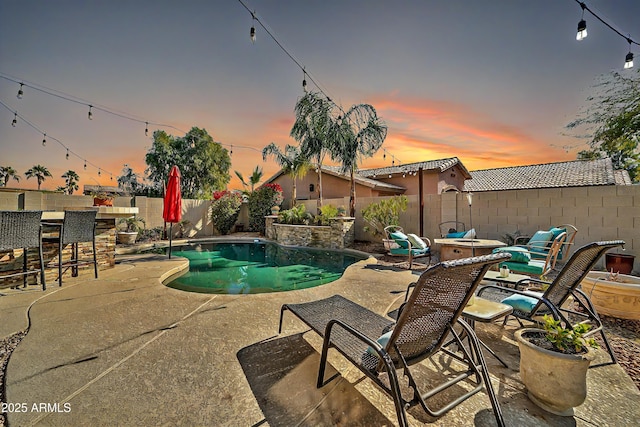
[440,165]
[575,173]
[334,170]
[622,177]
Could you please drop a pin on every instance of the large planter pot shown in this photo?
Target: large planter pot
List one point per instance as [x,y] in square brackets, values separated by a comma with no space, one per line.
[556,382]
[619,263]
[102,202]
[618,298]
[126,237]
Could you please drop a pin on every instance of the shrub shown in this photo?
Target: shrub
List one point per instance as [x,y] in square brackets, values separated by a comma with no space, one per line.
[297,215]
[326,212]
[385,212]
[260,203]
[224,211]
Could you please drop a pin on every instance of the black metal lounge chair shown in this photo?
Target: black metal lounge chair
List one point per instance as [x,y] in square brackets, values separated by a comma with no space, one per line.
[425,327]
[22,230]
[77,226]
[531,306]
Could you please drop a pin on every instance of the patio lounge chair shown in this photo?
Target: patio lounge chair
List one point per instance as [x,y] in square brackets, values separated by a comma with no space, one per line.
[531,306]
[425,325]
[406,245]
[525,261]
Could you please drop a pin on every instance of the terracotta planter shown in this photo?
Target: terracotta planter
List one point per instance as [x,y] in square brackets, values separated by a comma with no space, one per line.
[102,202]
[556,382]
[618,298]
[619,263]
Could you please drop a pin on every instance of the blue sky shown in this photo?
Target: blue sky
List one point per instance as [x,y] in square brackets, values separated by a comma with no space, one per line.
[492,82]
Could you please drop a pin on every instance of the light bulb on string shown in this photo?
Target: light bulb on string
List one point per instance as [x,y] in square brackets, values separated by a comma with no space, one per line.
[582,25]
[67,155]
[44,139]
[90,114]
[384,154]
[146,128]
[231,152]
[14,122]
[252,32]
[99,172]
[111,178]
[628,60]
[20,92]
[85,165]
[304,80]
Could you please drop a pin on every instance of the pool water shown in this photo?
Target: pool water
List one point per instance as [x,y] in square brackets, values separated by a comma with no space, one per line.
[257,267]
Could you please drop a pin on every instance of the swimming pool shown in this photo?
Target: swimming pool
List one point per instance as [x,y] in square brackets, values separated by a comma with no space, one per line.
[257,267]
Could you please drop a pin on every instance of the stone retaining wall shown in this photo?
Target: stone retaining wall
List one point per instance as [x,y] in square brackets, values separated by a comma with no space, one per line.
[339,234]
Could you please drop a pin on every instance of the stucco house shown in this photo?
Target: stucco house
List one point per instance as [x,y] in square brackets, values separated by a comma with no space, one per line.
[430,177]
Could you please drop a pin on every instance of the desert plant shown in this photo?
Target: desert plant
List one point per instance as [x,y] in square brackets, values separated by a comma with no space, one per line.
[132,224]
[566,340]
[297,215]
[260,203]
[326,212]
[224,210]
[383,213]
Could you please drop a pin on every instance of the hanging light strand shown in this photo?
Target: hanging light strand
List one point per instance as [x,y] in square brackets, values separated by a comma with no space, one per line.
[629,57]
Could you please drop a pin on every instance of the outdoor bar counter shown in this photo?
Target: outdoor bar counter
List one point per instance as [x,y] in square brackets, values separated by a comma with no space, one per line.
[106,221]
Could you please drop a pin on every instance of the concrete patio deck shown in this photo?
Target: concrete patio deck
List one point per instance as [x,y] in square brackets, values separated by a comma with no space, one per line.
[126,350]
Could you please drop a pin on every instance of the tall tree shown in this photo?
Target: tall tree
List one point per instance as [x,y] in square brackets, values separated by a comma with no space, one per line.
[71,179]
[204,164]
[6,173]
[611,120]
[39,172]
[313,129]
[360,133]
[292,161]
[255,177]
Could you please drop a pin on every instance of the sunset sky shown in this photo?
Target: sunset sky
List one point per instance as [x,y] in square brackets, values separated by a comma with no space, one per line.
[492,82]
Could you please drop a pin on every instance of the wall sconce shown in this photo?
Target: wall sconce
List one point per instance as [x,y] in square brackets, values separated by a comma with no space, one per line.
[312,188]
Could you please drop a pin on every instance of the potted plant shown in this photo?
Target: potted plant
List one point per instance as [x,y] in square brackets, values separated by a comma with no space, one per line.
[102,198]
[554,363]
[131,227]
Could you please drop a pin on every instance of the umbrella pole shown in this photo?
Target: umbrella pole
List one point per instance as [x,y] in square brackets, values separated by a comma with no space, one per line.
[170,233]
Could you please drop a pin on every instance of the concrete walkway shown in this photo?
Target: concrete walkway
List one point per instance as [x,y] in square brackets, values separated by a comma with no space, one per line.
[126,350]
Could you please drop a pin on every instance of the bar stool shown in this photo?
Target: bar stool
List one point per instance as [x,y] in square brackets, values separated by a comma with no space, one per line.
[22,230]
[76,227]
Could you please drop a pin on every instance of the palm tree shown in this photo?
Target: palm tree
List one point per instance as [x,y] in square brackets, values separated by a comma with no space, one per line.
[359,134]
[39,172]
[71,178]
[254,179]
[6,173]
[292,162]
[313,129]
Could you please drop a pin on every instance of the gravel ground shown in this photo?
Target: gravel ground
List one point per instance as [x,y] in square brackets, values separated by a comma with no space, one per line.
[624,335]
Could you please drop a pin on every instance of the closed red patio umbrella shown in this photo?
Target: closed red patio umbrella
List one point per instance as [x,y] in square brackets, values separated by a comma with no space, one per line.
[172,211]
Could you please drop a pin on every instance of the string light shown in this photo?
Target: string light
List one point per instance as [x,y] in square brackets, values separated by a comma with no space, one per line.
[252,32]
[582,32]
[628,60]
[582,25]
[146,129]
[15,119]
[90,114]
[67,156]
[85,165]
[231,152]
[20,91]
[99,173]
[44,139]
[304,80]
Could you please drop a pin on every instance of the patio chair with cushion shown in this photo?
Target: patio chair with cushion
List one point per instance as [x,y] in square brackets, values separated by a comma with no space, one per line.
[554,298]
[406,245]
[378,347]
[22,230]
[452,229]
[525,261]
[77,227]
[540,243]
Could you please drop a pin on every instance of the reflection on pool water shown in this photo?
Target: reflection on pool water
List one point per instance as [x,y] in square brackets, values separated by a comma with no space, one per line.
[257,267]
